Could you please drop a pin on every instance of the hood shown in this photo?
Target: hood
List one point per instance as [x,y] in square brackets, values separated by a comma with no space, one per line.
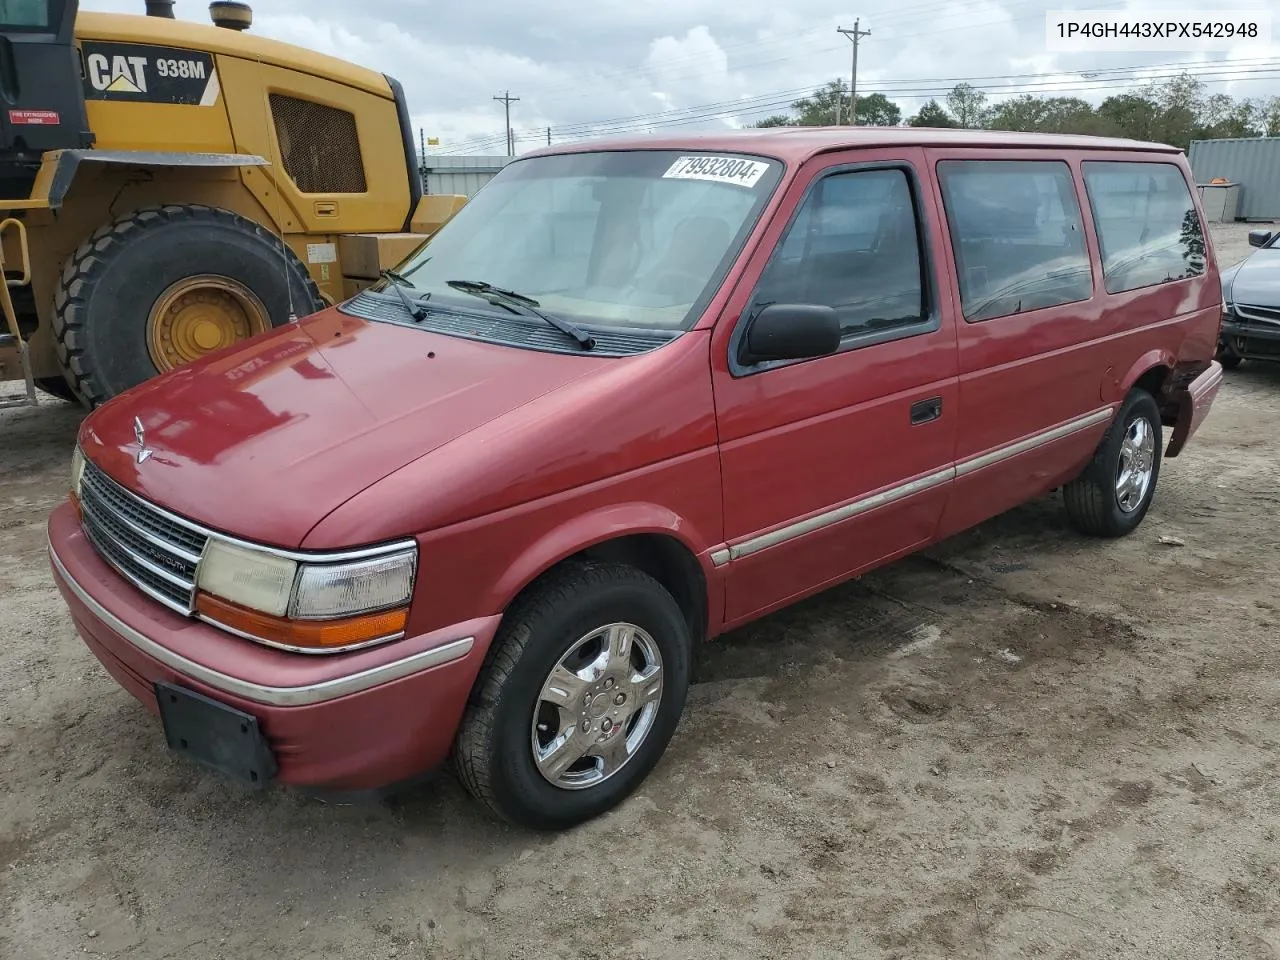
[1256,281]
[263,440]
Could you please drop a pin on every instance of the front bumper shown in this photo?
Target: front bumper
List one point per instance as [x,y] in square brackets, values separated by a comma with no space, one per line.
[1251,340]
[357,721]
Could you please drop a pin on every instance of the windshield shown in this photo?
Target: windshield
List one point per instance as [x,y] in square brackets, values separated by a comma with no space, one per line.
[620,239]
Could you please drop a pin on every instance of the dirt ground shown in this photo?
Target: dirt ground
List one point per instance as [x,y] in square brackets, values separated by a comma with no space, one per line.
[1021,744]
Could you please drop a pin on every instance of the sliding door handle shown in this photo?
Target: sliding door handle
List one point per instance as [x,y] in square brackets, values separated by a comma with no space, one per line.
[926,410]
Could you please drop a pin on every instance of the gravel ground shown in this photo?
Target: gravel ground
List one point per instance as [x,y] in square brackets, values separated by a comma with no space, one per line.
[1021,743]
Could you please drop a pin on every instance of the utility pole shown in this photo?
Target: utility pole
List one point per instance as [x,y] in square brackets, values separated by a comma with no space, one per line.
[854,35]
[507,100]
[548,136]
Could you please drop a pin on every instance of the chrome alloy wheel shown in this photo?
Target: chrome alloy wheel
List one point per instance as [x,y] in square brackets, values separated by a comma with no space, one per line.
[1137,463]
[597,706]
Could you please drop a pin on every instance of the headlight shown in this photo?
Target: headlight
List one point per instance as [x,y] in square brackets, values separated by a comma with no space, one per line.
[77,471]
[254,579]
[301,605]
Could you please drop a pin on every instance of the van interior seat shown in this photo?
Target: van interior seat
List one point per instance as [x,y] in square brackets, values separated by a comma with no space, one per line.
[697,244]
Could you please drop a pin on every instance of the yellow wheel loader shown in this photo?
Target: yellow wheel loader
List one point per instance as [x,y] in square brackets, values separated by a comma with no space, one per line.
[168,188]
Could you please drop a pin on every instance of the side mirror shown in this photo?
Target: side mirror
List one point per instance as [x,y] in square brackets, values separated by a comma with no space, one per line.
[1259,238]
[791,331]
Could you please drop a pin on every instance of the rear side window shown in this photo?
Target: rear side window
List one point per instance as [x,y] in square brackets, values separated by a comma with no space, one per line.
[853,246]
[1017,235]
[1147,224]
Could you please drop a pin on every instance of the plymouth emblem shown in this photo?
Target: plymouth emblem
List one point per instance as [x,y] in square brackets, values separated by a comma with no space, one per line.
[140,435]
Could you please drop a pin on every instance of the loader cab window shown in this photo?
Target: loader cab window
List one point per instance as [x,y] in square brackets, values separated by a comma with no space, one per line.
[25,14]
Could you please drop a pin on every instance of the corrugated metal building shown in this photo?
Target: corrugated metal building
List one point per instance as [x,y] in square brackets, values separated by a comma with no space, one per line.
[460,175]
[1253,163]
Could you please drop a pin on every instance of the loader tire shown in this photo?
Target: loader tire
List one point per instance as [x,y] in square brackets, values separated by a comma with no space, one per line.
[163,286]
[57,387]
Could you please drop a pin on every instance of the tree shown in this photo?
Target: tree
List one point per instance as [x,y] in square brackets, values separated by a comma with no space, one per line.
[877,110]
[1224,116]
[1269,117]
[968,105]
[932,115]
[1128,115]
[1068,115]
[1026,112]
[1181,105]
[823,106]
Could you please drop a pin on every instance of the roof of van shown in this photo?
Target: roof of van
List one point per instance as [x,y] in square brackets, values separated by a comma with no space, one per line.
[800,143]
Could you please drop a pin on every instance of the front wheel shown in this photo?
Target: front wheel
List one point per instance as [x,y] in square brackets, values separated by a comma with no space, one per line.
[1113,493]
[578,698]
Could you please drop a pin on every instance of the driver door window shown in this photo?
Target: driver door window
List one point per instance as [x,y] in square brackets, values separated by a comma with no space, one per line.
[854,246]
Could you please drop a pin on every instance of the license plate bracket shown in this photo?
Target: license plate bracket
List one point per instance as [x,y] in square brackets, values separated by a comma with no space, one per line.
[215,735]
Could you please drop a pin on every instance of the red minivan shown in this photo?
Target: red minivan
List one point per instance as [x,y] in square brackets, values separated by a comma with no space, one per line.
[635,394]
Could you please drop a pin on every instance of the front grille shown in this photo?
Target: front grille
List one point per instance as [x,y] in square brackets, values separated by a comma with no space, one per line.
[1260,347]
[153,551]
[319,145]
[1266,315]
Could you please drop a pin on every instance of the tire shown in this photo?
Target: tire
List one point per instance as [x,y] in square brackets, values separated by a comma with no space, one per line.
[57,387]
[110,285]
[1094,504]
[1230,361]
[494,754]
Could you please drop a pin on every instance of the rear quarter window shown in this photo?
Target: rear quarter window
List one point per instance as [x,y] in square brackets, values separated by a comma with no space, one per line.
[1147,224]
[1017,235]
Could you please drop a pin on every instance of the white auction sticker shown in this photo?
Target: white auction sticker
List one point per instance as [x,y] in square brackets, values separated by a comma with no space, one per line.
[736,170]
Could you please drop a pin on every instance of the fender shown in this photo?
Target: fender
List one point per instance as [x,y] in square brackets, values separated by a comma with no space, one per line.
[599,526]
[1156,357]
[59,167]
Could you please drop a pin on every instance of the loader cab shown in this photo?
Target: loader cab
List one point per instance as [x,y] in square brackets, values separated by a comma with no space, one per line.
[41,94]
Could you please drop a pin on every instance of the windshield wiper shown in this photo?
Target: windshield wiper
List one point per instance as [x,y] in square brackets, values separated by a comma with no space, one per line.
[527,305]
[414,305]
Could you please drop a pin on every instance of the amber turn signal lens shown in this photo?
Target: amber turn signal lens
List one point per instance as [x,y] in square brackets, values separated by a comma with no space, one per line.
[310,634]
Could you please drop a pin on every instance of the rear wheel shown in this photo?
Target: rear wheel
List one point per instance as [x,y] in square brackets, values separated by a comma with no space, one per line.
[578,698]
[162,287]
[1112,495]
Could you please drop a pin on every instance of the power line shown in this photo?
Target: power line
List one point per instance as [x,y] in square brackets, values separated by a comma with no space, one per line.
[803,42]
[1207,72]
[771,101]
[899,90]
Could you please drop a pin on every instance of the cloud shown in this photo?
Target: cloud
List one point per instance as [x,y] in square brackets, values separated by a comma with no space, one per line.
[686,65]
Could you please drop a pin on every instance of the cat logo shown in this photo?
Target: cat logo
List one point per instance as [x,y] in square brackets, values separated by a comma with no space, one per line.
[142,73]
[119,74]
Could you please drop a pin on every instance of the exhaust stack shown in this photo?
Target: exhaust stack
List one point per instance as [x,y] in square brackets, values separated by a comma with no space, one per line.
[231,14]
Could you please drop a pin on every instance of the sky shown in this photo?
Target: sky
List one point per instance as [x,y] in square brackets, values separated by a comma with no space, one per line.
[584,68]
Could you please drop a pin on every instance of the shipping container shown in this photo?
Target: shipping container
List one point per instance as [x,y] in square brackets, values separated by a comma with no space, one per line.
[1253,163]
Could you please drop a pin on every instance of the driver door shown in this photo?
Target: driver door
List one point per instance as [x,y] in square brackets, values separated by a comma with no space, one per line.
[833,465]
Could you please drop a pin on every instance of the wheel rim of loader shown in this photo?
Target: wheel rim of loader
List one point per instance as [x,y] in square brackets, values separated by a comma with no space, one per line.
[200,314]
